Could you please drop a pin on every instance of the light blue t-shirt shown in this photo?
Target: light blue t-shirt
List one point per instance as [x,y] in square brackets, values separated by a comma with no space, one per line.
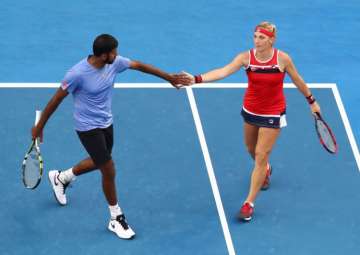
[92,92]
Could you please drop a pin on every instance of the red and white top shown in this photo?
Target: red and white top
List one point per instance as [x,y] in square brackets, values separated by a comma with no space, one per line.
[264,95]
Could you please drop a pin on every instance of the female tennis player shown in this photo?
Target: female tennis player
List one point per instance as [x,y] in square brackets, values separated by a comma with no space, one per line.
[264,105]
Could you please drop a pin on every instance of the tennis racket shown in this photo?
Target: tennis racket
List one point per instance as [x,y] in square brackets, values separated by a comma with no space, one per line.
[32,166]
[326,136]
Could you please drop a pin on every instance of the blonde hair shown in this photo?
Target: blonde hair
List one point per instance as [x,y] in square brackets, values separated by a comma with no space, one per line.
[268,26]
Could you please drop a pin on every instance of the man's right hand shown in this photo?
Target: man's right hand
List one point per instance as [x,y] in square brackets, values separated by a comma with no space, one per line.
[36,132]
[181,79]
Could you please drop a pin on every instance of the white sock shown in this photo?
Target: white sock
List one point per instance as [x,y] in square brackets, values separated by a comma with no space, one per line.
[66,176]
[115,210]
[252,204]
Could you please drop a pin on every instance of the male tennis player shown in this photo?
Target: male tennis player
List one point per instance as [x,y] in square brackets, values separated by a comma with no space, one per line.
[91,82]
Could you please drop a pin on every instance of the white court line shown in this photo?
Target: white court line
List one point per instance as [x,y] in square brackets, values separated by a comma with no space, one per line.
[224,86]
[210,171]
[346,122]
[200,130]
[160,85]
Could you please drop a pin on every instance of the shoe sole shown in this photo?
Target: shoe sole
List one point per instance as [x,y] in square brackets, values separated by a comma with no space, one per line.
[52,187]
[126,238]
[248,219]
[244,219]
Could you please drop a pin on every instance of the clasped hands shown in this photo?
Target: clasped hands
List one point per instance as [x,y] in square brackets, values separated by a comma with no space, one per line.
[182,79]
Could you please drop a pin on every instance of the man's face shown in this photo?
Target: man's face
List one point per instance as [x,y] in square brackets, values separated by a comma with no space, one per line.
[110,57]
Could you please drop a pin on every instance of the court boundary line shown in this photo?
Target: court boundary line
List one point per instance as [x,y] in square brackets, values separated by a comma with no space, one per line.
[331,86]
[347,125]
[200,132]
[210,171]
[158,85]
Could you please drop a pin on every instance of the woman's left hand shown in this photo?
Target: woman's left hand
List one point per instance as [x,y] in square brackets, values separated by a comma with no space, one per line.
[315,107]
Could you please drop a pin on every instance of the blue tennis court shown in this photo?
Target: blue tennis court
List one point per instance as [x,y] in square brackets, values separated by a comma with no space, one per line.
[164,186]
[177,200]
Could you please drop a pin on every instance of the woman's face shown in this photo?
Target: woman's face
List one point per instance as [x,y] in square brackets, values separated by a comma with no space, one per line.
[262,42]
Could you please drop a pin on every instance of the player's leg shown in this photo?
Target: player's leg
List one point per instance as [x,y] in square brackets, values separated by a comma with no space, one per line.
[265,142]
[117,223]
[87,165]
[83,167]
[61,179]
[250,137]
[107,167]
[108,181]
[93,141]
[98,143]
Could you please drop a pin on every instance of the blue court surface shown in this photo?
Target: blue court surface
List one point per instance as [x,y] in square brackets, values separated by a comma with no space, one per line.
[182,167]
[164,186]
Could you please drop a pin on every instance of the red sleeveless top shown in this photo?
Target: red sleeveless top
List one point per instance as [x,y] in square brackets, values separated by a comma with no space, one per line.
[265,94]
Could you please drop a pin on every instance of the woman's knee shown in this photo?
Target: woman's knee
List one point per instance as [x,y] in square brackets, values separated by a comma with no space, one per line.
[250,148]
[262,156]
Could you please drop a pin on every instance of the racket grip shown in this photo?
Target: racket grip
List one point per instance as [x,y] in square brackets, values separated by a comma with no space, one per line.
[37,116]
[318,115]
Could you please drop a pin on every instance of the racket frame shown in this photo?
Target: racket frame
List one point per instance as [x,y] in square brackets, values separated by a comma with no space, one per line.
[35,144]
[318,117]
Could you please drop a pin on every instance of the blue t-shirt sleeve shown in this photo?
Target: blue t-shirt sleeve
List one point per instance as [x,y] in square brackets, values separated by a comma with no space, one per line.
[70,81]
[121,64]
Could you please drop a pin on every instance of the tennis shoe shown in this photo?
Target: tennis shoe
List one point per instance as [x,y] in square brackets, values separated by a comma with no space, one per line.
[266,183]
[246,212]
[58,187]
[121,228]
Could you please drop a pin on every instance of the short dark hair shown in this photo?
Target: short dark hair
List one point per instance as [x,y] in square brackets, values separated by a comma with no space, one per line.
[104,43]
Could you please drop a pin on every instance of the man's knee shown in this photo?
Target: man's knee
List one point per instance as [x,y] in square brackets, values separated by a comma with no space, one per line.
[108,169]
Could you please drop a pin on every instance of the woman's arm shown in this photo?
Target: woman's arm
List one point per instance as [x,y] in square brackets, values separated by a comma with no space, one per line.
[290,69]
[217,74]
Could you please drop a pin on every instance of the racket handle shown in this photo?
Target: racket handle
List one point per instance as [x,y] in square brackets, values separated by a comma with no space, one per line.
[37,116]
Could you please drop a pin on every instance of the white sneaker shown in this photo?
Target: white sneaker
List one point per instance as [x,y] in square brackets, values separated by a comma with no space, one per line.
[58,187]
[120,227]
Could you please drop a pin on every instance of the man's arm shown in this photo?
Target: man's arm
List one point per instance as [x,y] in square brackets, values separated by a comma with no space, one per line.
[173,79]
[54,102]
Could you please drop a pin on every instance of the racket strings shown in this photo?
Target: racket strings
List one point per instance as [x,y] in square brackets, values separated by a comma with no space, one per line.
[326,136]
[32,169]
